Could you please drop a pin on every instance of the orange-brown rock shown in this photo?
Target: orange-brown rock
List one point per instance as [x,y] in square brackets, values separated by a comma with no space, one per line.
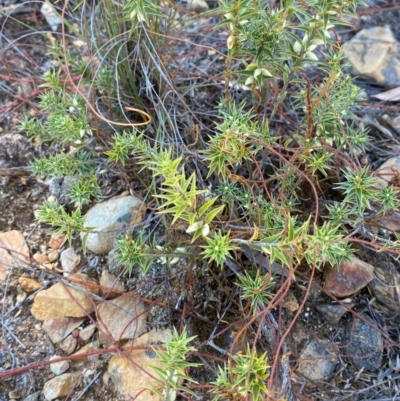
[130,372]
[121,318]
[29,284]
[63,300]
[13,251]
[349,278]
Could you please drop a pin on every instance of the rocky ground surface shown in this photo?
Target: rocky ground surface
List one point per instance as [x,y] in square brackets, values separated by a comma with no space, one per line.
[74,326]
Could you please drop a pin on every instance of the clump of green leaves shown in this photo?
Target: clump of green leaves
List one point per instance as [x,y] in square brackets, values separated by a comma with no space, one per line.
[181,197]
[125,145]
[253,182]
[66,123]
[235,140]
[134,252]
[174,367]
[218,248]
[62,221]
[256,289]
[245,378]
[67,120]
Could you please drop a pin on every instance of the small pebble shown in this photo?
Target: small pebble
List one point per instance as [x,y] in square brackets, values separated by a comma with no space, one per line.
[41,258]
[58,368]
[21,295]
[28,284]
[14,395]
[53,255]
[56,242]
[68,345]
[87,332]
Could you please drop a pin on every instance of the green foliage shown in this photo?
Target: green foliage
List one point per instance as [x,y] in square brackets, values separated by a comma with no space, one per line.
[256,288]
[247,377]
[139,11]
[105,81]
[388,199]
[360,188]
[218,248]
[340,213]
[125,145]
[133,252]
[319,161]
[83,189]
[67,121]
[234,142]
[65,164]
[278,173]
[181,197]
[175,366]
[326,244]
[64,223]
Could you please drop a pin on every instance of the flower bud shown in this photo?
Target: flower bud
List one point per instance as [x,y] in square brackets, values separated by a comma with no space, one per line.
[231,41]
[311,56]
[251,67]
[249,81]
[297,47]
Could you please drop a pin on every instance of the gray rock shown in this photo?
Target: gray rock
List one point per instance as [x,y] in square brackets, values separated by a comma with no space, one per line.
[331,313]
[197,6]
[58,368]
[386,294]
[32,397]
[375,53]
[364,345]
[107,219]
[69,260]
[317,362]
